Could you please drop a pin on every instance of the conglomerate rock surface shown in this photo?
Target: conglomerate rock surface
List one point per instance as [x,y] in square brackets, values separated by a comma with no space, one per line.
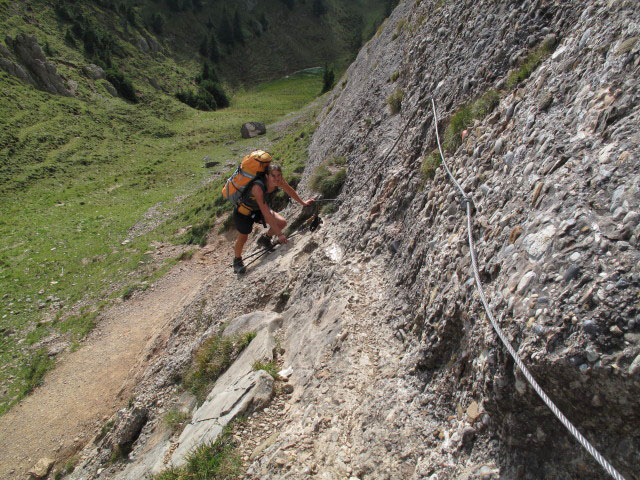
[397,372]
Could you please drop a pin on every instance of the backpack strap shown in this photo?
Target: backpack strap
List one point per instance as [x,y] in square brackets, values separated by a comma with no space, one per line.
[259,180]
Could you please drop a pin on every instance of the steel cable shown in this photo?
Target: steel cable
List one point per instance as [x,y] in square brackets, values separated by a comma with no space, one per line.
[556,411]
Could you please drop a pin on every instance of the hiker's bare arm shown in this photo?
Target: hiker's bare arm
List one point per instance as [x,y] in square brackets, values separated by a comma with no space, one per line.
[288,189]
[264,208]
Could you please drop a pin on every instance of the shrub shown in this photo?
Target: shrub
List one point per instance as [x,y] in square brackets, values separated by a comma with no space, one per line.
[289,3]
[217,92]
[122,84]
[209,96]
[395,100]
[68,38]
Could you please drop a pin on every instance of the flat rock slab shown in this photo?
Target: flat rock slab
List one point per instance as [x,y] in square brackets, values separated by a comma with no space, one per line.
[253,322]
[251,392]
[238,391]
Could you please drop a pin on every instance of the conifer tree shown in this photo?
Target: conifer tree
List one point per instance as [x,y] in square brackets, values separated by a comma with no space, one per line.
[328,77]
[318,8]
[238,36]
[264,22]
[204,47]
[214,48]
[225,32]
[157,22]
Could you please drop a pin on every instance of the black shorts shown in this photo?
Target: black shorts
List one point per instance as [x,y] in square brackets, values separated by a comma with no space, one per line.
[244,223]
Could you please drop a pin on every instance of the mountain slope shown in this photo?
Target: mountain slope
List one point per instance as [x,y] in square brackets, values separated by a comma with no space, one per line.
[396,371]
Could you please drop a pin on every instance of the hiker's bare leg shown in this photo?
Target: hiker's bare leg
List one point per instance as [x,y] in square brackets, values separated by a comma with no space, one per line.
[280,221]
[240,241]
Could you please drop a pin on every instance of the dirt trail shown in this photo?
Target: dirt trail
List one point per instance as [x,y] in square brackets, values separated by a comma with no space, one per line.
[89,385]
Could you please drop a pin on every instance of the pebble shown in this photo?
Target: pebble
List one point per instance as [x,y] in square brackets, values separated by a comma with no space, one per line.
[634,368]
[590,327]
[525,282]
[571,273]
[592,355]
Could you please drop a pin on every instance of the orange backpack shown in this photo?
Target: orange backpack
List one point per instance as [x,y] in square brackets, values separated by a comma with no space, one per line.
[252,165]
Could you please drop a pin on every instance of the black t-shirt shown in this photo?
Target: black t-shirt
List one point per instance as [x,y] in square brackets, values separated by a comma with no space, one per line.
[250,200]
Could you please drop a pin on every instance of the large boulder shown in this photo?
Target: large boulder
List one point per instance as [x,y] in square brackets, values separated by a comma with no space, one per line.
[41,469]
[94,72]
[253,129]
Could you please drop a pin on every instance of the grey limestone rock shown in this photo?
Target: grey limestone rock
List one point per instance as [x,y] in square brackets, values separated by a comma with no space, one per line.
[43,74]
[94,72]
[252,129]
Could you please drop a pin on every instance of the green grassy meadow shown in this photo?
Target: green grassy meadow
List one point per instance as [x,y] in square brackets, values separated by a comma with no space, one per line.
[76,175]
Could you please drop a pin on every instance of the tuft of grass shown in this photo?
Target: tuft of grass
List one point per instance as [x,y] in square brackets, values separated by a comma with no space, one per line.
[532,61]
[33,373]
[217,460]
[270,367]
[395,100]
[70,465]
[459,121]
[175,419]
[394,76]
[330,208]
[327,181]
[129,291]
[226,223]
[429,165]
[626,46]
[467,113]
[186,255]
[211,360]
[485,104]
[106,428]
[78,325]
[399,28]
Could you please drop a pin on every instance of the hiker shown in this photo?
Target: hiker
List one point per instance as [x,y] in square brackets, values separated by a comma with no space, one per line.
[255,208]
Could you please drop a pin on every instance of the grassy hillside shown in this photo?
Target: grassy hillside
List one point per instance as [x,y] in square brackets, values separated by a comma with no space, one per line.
[89,183]
[65,220]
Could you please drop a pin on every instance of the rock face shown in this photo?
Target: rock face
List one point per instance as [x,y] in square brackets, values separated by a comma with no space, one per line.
[252,129]
[396,372]
[31,65]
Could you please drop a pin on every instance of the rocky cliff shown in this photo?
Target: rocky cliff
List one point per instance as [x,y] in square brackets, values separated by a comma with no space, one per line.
[396,371]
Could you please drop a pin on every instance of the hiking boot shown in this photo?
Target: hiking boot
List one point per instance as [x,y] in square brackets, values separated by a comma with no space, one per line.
[265,242]
[238,266]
